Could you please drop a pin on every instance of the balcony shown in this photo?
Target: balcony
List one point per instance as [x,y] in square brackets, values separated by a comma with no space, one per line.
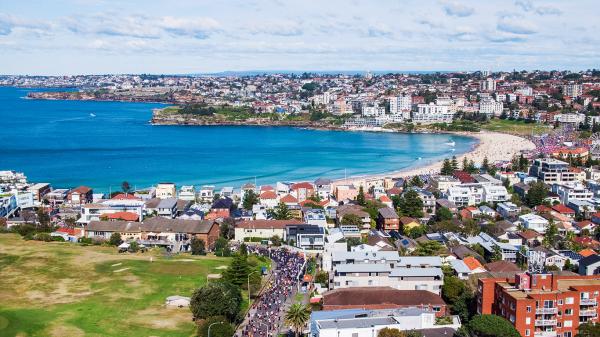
[588,313]
[545,322]
[546,310]
[544,334]
[587,301]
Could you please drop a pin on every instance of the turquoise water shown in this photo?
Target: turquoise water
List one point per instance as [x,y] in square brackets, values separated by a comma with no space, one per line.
[62,143]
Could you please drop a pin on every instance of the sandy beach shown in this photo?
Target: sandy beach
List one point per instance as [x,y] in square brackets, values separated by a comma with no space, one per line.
[496,146]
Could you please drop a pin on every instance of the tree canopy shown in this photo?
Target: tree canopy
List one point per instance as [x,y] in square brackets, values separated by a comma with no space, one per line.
[216,299]
[491,326]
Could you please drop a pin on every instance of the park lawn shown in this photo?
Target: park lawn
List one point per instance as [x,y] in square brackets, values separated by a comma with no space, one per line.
[516,127]
[64,289]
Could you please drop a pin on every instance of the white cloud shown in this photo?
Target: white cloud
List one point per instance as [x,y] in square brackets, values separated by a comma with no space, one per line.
[516,25]
[454,8]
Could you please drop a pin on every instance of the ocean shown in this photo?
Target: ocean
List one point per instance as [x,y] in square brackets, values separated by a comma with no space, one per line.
[102,144]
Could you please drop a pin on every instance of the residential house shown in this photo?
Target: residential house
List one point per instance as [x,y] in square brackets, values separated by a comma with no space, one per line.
[307,237]
[80,195]
[388,219]
[264,229]
[166,190]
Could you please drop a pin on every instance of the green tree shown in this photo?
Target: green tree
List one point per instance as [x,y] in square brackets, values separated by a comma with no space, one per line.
[125,187]
[416,181]
[429,248]
[276,240]
[227,228]
[238,270]
[43,219]
[280,212]
[351,220]
[454,163]
[410,204]
[216,299]
[485,165]
[224,329]
[536,194]
[453,287]
[351,242]
[198,247]
[447,168]
[115,239]
[297,316]
[588,330]
[250,199]
[443,214]
[222,247]
[491,326]
[134,247]
[550,235]
[390,332]
[465,164]
[360,198]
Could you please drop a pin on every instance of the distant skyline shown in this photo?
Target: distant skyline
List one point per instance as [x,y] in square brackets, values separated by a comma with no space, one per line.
[66,37]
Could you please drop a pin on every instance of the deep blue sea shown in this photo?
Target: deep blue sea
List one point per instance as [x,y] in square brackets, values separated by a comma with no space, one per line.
[60,142]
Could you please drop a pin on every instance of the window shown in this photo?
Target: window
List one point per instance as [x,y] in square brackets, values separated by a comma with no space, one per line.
[568,324]
[528,320]
[568,312]
[528,308]
[569,300]
[560,302]
[527,332]
[437,309]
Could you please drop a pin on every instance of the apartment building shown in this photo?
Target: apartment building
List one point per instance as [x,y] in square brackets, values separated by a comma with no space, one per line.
[552,171]
[166,190]
[569,192]
[541,305]
[490,107]
[572,90]
[386,269]
[473,194]
[432,113]
[489,84]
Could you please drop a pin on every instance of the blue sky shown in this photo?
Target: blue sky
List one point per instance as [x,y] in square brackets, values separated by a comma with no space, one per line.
[190,36]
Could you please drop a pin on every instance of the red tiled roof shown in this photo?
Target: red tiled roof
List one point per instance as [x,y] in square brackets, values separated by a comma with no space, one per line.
[305,185]
[472,263]
[123,196]
[563,209]
[126,216]
[384,198]
[268,195]
[587,252]
[529,234]
[81,190]
[266,188]
[288,198]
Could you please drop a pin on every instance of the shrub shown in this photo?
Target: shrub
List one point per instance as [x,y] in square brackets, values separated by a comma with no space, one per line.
[85,241]
[58,239]
[42,237]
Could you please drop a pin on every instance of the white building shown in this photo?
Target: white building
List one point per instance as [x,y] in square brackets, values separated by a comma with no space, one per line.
[489,84]
[534,222]
[207,193]
[166,190]
[187,193]
[373,111]
[432,113]
[368,323]
[572,90]
[401,105]
[490,107]
[568,192]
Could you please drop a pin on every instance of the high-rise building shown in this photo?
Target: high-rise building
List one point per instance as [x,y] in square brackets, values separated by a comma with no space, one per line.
[489,84]
[540,304]
[572,90]
[490,107]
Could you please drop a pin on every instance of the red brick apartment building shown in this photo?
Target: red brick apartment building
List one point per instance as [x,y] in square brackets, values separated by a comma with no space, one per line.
[541,305]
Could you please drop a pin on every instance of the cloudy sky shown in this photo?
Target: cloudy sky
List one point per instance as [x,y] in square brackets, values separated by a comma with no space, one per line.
[191,36]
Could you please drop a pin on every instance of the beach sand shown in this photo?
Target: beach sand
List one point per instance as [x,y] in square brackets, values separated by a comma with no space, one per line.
[496,146]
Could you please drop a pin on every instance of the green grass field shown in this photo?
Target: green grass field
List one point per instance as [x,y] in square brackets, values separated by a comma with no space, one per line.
[516,127]
[63,289]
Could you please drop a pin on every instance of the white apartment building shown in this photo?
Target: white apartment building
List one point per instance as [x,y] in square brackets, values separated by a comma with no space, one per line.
[373,111]
[572,90]
[473,194]
[534,222]
[568,192]
[432,113]
[166,190]
[207,193]
[386,269]
[443,183]
[489,84]
[552,171]
[187,192]
[490,107]
[401,105]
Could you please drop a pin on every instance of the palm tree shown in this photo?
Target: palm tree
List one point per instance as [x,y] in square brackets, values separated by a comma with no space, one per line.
[297,316]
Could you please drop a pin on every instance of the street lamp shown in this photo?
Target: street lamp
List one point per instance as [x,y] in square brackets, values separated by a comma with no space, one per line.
[256,271]
[211,326]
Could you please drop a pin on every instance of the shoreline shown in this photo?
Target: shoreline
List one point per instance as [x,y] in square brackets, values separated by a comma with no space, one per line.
[496,146]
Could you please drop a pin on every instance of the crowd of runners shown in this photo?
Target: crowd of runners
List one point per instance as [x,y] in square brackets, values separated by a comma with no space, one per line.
[267,313]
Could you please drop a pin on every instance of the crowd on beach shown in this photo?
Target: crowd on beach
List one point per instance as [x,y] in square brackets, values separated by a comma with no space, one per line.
[267,313]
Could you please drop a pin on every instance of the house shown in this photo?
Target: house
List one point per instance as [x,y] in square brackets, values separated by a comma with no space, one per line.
[502,267]
[316,217]
[307,237]
[451,206]
[207,194]
[344,210]
[302,191]
[323,188]
[589,265]
[80,195]
[464,268]
[388,219]
[263,229]
[188,193]
[550,258]
[508,210]
[172,234]
[345,192]
[167,207]
[530,237]
[409,223]
[534,222]
[374,298]
[268,199]
[564,210]
[166,190]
